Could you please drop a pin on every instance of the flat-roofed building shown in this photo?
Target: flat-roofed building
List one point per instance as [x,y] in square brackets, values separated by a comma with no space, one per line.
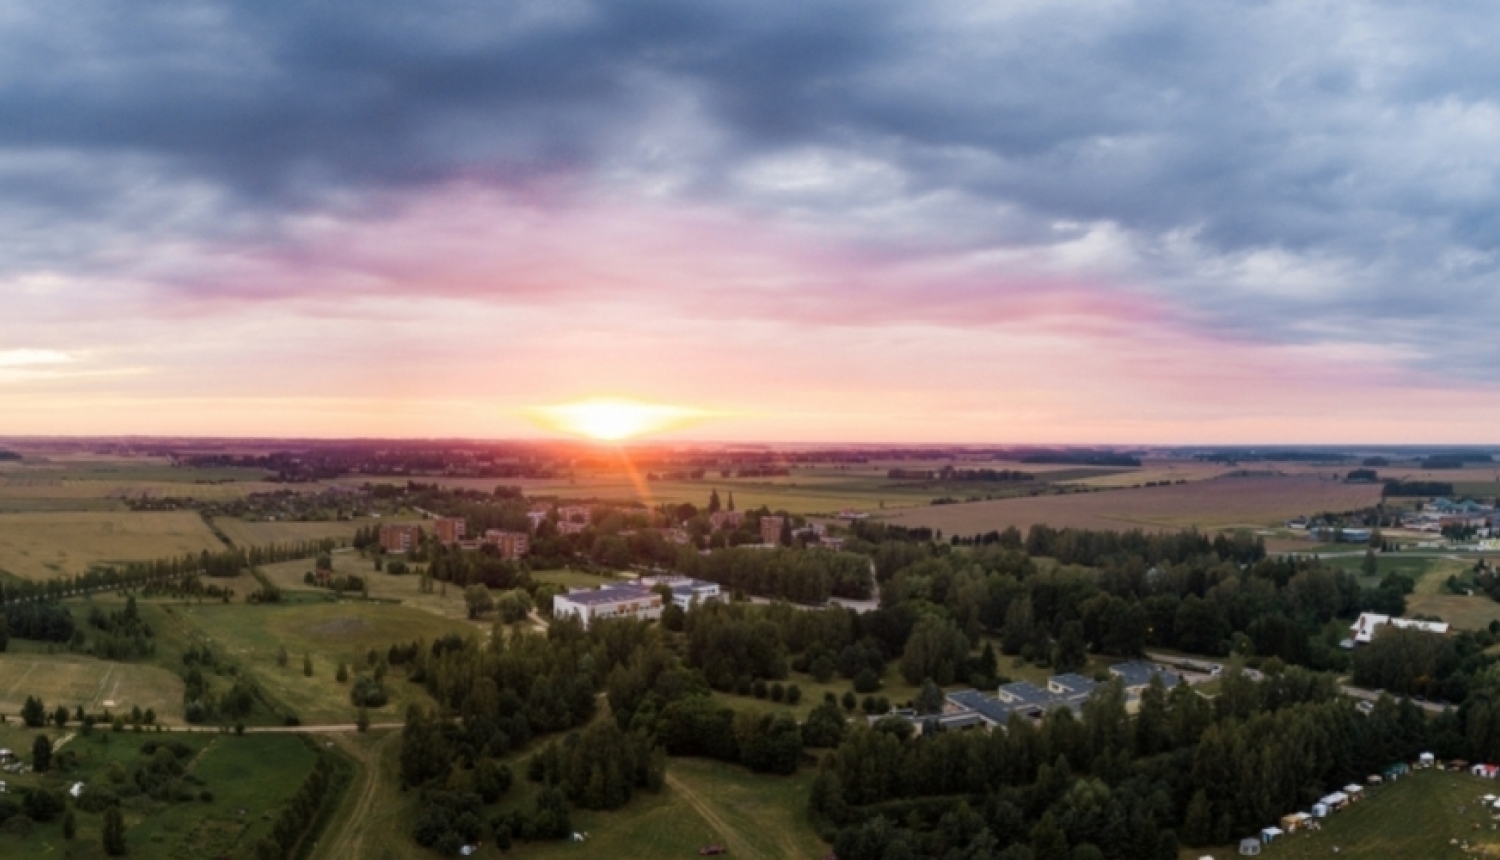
[512,545]
[770,530]
[685,590]
[610,601]
[450,530]
[1368,623]
[398,538]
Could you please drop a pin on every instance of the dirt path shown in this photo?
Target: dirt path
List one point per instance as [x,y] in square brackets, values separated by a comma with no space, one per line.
[348,840]
[738,847]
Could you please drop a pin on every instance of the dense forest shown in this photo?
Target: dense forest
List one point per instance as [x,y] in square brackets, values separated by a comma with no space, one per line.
[1184,769]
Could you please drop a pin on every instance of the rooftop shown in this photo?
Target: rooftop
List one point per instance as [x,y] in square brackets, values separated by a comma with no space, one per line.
[608,594]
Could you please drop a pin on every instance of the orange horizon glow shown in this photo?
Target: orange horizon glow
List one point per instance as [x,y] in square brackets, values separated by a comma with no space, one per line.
[614,419]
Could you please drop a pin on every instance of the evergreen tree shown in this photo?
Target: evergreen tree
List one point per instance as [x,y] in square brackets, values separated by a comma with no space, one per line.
[41,754]
[1071,653]
[114,832]
[713,502]
[1048,842]
[1198,824]
[70,825]
[731,500]
[34,713]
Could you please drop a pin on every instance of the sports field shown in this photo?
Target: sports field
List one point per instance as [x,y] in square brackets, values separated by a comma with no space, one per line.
[46,545]
[1430,815]
[1212,504]
[73,680]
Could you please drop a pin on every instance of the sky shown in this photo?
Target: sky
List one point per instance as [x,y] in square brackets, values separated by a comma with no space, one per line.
[1052,222]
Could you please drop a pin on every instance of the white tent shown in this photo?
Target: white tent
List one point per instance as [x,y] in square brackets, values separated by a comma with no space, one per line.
[1320,810]
[1269,834]
[1426,760]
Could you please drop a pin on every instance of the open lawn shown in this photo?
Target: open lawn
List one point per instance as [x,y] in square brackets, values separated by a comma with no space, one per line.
[1212,504]
[250,778]
[73,680]
[247,534]
[757,817]
[330,632]
[1465,613]
[1418,816]
[46,545]
[444,602]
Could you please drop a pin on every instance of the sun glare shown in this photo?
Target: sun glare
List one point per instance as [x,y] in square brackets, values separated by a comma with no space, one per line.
[611,419]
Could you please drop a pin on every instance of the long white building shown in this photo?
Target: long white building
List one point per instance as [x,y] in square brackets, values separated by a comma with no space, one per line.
[610,601]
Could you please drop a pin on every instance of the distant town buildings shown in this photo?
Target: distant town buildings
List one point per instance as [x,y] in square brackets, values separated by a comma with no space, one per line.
[399,538]
[449,530]
[770,530]
[610,601]
[726,519]
[513,546]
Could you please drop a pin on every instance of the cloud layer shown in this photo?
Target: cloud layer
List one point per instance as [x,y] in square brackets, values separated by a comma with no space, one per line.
[883,212]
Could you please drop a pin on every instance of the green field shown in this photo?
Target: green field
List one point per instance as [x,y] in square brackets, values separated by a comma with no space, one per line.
[443,602]
[1430,814]
[755,816]
[250,778]
[43,546]
[330,632]
[246,533]
[73,680]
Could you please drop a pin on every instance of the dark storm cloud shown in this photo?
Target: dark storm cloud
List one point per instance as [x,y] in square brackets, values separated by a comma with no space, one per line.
[1293,171]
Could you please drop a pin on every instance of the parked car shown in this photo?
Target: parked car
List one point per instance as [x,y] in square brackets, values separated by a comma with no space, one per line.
[710,850]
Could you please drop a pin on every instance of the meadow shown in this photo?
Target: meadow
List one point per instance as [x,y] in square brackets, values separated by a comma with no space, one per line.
[75,679]
[329,632]
[1430,814]
[42,546]
[1210,504]
[250,778]
[248,533]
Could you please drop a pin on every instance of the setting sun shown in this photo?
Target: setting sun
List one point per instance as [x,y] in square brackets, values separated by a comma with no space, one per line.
[612,419]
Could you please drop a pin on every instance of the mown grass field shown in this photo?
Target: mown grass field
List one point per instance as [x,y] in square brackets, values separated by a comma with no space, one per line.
[73,680]
[1212,504]
[42,546]
[246,533]
[329,632]
[1421,816]
[251,777]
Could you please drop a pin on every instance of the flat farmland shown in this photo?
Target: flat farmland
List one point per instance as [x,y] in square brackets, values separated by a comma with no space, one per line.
[1213,504]
[74,679]
[1155,471]
[808,490]
[62,543]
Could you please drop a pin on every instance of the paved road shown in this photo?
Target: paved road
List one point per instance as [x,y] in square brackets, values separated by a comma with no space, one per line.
[1373,695]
